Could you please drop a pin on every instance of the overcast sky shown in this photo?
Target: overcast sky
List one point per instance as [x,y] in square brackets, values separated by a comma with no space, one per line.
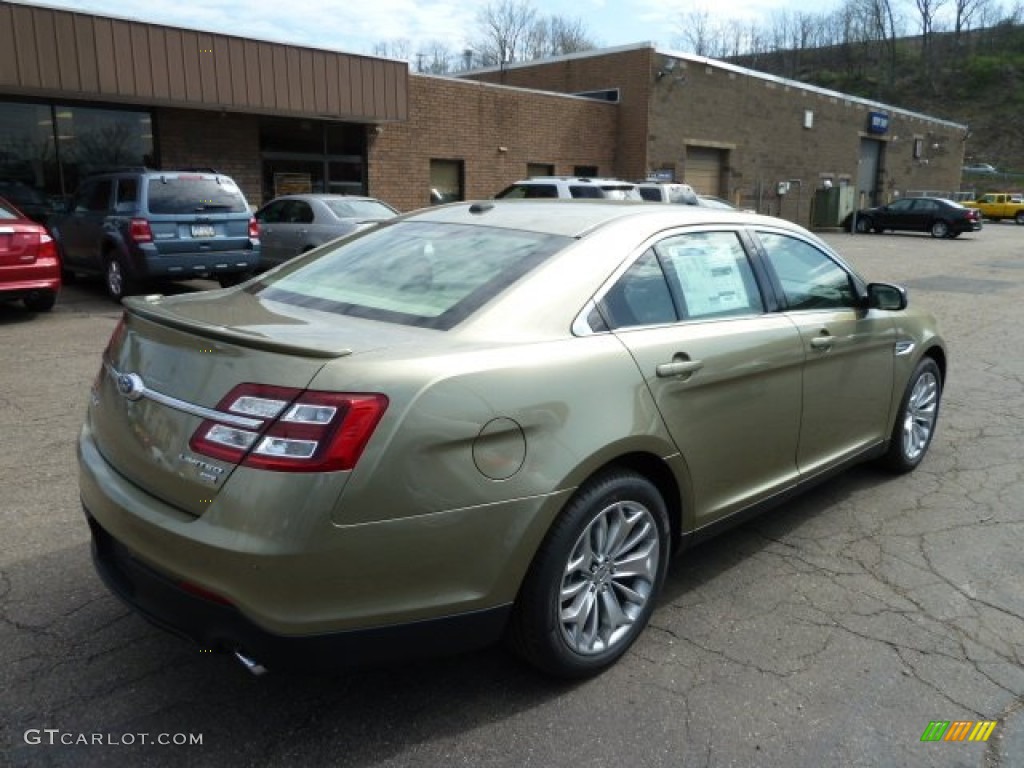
[356,25]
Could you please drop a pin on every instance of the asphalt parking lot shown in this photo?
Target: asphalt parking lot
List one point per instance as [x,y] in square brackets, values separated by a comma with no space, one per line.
[829,632]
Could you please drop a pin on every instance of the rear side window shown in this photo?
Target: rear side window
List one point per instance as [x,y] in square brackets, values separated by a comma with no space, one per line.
[650,194]
[194,194]
[640,297]
[412,273]
[585,192]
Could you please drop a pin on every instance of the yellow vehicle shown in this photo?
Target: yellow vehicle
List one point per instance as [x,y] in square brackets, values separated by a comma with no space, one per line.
[1000,205]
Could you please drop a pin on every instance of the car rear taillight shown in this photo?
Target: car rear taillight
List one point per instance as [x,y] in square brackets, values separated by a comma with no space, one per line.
[47,247]
[140,231]
[290,430]
[254,229]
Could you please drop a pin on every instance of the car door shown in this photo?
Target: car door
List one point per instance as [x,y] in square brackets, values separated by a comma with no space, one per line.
[725,375]
[849,349]
[897,215]
[272,233]
[81,231]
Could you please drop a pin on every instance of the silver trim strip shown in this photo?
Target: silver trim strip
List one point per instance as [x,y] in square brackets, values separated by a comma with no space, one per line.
[190,408]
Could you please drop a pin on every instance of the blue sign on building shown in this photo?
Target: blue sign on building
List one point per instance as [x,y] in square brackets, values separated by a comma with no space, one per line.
[878,122]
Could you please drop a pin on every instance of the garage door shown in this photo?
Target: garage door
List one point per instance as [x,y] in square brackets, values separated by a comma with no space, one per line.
[704,169]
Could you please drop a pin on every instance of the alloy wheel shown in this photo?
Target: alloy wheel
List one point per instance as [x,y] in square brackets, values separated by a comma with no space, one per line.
[609,577]
[921,412]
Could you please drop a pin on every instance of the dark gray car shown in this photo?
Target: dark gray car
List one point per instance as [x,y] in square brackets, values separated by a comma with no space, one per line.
[294,224]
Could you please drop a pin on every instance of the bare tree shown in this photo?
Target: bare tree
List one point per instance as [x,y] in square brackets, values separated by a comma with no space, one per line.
[399,48]
[504,28]
[927,11]
[696,32]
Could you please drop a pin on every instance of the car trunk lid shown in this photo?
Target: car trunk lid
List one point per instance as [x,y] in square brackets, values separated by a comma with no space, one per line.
[18,244]
[172,362]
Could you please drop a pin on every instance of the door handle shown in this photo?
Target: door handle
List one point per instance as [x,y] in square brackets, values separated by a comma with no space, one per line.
[678,368]
[823,343]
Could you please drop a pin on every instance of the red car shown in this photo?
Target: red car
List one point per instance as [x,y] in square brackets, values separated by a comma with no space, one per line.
[29,262]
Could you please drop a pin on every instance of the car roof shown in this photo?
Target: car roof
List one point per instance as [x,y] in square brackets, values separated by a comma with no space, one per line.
[322,196]
[576,218]
[573,180]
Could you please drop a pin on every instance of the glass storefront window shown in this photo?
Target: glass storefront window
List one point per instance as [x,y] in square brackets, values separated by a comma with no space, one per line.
[312,156]
[29,176]
[91,140]
[46,149]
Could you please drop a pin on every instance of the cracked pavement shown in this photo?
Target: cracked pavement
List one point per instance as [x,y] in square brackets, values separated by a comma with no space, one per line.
[828,632]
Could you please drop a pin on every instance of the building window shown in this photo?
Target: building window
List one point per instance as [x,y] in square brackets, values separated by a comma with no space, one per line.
[312,156]
[585,170]
[918,148]
[446,181]
[46,149]
[539,169]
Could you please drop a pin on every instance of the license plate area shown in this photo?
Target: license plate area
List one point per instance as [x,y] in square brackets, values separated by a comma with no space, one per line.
[203,230]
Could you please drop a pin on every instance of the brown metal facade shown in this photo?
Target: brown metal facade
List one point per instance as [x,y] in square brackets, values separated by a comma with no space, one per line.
[47,52]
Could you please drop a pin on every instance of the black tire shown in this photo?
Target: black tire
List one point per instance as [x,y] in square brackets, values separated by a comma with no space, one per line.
[116,278]
[864,225]
[615,518]
[915,423]
[40,302]
[1019,218]
[939,229]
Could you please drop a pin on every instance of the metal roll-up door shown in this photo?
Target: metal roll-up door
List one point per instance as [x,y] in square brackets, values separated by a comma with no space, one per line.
[704,170]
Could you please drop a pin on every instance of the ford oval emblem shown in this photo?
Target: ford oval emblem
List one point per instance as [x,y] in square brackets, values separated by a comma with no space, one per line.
[130,385]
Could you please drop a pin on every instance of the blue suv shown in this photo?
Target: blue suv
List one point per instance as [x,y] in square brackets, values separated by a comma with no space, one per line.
[140,225]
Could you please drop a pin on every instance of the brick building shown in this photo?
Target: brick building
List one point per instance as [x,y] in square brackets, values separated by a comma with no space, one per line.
[737,133]
[80,92]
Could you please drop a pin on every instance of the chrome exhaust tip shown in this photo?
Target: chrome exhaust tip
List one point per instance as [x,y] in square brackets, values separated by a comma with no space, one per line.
[251,664]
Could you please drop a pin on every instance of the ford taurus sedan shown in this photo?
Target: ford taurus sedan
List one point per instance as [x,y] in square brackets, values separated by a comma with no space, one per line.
[935,215]
[482,421]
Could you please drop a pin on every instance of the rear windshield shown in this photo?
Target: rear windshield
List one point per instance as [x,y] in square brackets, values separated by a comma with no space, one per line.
[359,209]
[195,194]
[412,273]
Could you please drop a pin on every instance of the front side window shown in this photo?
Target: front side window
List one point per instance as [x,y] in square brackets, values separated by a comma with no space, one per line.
[94,197]
[712,275]
[810,279]
[412,273]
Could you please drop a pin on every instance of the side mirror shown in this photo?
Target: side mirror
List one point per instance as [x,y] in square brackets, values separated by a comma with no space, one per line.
[887,296]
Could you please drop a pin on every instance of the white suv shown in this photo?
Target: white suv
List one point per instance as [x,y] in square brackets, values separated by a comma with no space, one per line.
[570,187]
[667,192]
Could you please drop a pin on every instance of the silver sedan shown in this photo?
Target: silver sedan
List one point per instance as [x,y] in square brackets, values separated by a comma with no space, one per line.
[294,224]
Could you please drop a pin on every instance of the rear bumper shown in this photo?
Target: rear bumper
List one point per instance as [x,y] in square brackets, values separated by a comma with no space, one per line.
[181,266]
[218,626]
[21,289]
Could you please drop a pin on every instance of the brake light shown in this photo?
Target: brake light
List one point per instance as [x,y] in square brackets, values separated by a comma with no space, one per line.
[254,229]
[290,430]
[140,232]
[47,247]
